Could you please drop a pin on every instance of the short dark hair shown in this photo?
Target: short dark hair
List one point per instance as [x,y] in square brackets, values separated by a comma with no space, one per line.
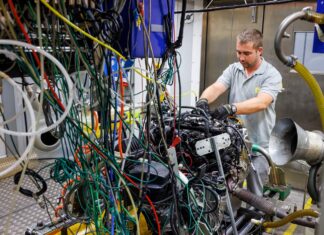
[251,35]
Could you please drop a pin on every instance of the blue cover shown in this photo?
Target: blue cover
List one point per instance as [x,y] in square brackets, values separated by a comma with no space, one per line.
[318,46]
[133,38]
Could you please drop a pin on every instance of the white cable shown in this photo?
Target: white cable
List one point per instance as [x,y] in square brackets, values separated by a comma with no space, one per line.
[132,114]
[68,81]
[32,121]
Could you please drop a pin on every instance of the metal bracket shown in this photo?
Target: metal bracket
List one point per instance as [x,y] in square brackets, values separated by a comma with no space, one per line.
[204,147]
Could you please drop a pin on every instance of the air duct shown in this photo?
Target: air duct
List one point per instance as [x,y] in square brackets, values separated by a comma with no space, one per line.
[290,142]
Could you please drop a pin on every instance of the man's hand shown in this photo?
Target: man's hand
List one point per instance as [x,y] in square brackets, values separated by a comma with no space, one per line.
[223,111]
[203,104]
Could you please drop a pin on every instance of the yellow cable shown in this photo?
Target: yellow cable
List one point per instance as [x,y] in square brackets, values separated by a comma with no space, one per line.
[80,30]
[147,78]
[89,36]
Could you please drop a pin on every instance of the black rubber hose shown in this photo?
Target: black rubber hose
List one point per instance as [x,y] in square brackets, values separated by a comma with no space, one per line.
[311,183]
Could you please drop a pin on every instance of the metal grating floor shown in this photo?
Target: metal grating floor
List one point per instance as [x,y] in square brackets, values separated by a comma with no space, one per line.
[18,212]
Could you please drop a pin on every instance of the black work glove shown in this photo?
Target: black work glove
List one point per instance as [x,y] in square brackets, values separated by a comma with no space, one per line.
[223,111]
[203,104]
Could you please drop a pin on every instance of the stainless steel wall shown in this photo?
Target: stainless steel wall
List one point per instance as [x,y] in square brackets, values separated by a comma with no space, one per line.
[221,28]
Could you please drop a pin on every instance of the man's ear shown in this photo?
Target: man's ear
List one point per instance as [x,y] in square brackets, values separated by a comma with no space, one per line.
[260,51]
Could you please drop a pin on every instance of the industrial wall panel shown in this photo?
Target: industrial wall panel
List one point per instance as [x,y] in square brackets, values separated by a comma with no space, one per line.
[222,27]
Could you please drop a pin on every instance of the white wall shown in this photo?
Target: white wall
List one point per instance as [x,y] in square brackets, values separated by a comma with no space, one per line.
[190,51]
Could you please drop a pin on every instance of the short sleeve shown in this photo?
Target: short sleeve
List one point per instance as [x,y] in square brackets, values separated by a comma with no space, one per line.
[272,84]
[226,77]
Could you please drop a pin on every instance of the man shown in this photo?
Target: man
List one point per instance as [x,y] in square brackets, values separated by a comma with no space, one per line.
[254,85]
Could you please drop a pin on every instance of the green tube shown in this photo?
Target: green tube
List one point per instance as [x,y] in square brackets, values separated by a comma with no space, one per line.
[314,86]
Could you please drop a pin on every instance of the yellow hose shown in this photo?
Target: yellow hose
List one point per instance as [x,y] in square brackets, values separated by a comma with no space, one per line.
[314,86]
[314,17]
[290,217]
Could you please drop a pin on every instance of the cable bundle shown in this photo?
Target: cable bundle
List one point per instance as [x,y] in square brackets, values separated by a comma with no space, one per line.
[127,168]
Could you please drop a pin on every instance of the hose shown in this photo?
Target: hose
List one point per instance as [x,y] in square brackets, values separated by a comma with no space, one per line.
[269,207]
[314,17]
[314,86]
[290,217]
[312,182]
[264,152]
[291,61]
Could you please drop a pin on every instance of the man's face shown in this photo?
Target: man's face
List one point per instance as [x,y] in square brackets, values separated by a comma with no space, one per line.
[247,54]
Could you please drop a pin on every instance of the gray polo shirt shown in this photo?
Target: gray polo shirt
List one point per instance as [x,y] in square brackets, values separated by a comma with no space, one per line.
[265,79]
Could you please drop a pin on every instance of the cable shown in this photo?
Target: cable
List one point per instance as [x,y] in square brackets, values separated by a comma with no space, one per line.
[24,155]
[14,11]
[67,80]
[237,6]
[80,30]
[37,178]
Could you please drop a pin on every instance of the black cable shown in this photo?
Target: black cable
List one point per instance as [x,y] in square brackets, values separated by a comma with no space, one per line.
[214,195]
[237,6]
[178,43]
[173,221]
[25,114]
[262,23]
[179,89]
[241,137]
[59,131]
[199,109]
[37,178]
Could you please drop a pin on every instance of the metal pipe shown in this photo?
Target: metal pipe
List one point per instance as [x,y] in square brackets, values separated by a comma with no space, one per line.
[229,230]
[256,201]
[264,152]
[246,228]
[268,207]
[274,173]
[221,171]
[220,8]
[287,60]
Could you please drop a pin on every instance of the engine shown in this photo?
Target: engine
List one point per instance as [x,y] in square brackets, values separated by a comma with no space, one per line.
[186,185]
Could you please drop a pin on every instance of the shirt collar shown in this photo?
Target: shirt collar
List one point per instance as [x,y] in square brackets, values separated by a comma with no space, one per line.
[260,70]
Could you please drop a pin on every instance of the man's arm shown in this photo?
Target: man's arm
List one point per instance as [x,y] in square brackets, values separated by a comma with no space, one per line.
[253,105]
[212,92]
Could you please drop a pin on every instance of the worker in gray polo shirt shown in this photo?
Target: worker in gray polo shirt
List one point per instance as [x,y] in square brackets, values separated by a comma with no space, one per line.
[254,85]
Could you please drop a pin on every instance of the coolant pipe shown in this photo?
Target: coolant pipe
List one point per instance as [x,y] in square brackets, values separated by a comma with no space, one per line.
[264,152]
[268,207]
[291,61]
